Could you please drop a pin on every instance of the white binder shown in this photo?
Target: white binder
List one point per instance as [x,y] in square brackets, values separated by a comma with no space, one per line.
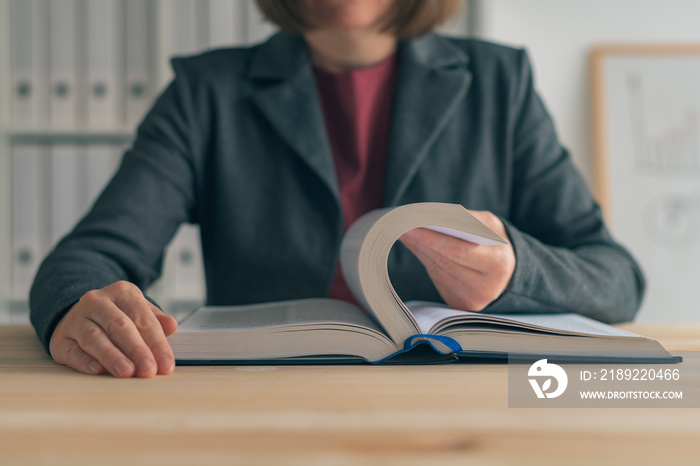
[104,43]
[64,191]
[27,205]
[184,266]
[29,54]
[63,92]
[183,27]
[227,23]
[201,25]
[259,28]
[138,83]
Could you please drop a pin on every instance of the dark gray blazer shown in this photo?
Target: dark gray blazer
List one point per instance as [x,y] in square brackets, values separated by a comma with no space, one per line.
[237,144]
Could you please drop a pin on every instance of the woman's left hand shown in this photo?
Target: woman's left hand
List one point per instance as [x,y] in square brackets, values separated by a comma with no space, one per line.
[468,276]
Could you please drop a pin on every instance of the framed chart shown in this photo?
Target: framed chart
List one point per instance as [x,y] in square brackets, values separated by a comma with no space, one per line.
[646,120]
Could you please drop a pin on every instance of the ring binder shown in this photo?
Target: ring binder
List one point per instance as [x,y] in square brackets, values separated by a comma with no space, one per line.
[29,56]
[104,49]
[63,26]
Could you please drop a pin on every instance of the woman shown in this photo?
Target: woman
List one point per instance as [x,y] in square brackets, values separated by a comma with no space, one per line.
[275,149]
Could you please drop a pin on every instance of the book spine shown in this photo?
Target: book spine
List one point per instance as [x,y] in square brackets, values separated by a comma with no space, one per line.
[451,345]
[442,345]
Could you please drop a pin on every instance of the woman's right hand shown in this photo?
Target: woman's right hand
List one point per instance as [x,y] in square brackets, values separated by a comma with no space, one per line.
[115,329]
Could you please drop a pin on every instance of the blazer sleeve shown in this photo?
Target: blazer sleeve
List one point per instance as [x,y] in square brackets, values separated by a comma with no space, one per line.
[125,233]
[566,260]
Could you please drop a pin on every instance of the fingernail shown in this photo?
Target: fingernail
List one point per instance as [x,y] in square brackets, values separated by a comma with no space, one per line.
[144,367]
[166,364]
[122,367]
[94,367]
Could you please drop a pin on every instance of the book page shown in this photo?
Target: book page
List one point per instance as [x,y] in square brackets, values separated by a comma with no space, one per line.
[573,323]
[429,315]
[276,314]
[435,317]
[464,236]
[554,335]
[350,252]
[317,328]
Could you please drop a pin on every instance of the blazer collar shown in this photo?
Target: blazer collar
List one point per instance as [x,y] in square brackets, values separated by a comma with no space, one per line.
[280,58]
[431,51]
[433,79]
[284,89]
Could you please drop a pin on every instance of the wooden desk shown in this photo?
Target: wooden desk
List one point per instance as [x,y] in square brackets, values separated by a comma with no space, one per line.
[447,414]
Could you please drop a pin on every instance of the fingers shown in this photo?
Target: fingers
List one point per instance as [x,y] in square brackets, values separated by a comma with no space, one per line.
[153,326]
[164,354]
[95,342]
[444,248]
[75,357]
[460,287]
[166,321]
[133,327]
[450,287]
[467,275]
[443,268]
[111,335]
[118,330]
[124,349]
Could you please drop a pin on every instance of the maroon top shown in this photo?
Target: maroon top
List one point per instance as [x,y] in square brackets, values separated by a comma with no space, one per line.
[357,112]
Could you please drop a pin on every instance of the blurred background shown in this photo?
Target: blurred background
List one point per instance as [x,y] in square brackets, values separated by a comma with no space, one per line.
[76,77]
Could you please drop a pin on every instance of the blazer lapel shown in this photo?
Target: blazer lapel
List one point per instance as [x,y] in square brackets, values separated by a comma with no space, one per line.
[284,89]
[433,79]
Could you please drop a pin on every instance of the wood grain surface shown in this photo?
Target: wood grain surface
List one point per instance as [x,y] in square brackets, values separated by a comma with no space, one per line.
[325,415]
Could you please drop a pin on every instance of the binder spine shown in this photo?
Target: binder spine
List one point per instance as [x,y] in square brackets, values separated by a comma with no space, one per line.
[64,182]
[27,238]
[184,261]
[137,85]
[222,15]
[63,64]
[258,27]
[184,35]
[224,23]
[104,43]
[29,64]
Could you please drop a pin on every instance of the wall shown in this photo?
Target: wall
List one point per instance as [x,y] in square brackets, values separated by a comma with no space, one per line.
[558,35]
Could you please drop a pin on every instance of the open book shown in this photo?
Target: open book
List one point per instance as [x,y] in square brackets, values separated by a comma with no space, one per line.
[386,329]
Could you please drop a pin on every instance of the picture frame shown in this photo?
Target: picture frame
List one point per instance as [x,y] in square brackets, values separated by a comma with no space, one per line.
[646,130]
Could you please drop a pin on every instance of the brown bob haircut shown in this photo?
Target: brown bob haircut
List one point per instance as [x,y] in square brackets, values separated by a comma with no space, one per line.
[410,17]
